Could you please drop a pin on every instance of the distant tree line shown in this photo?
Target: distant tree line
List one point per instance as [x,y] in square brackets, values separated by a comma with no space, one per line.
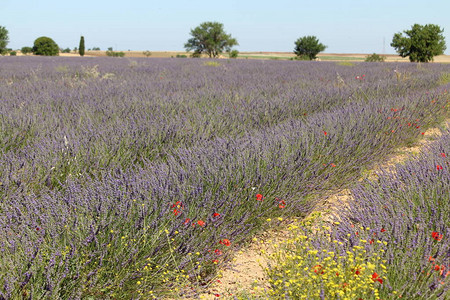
[421,43]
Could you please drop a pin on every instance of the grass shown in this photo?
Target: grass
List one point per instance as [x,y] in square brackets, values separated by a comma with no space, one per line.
[342,58]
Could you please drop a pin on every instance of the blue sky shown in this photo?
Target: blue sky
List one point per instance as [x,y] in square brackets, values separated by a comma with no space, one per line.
[345,26]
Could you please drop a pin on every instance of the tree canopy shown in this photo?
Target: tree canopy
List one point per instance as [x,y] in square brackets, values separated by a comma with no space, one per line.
[308,47]
[4,39]
[210,38]
[45,46]
[421,43]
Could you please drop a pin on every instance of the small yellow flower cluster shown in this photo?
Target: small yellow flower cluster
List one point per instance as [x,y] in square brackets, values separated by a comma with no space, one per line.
[299,270]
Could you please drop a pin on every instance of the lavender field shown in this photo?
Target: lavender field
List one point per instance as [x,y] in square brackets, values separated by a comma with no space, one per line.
[127,179]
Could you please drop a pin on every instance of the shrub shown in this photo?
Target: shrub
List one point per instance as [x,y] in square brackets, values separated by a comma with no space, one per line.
[301,57]
[12,53]
[112,53]
[147,53]
[375,58]
[45,46]
[67,50]
[234,54]
[26,50]
[95,48]
[181,56]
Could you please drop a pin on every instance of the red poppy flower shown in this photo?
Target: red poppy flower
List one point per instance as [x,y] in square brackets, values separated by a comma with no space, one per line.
[215,261]
[187,221]
[225,242]
[281,204]
[259,197]
[215,215]
[438,167]
[201,223]
[217,295]
[357,272]
[318,269]
[176,212]
[37,229]
[437,236]
[431,259]
[218,252]
[382,230]
[325,133]
[371,241]
[376,277]
[437,268]
[423,133]
[443,154]
[333,165]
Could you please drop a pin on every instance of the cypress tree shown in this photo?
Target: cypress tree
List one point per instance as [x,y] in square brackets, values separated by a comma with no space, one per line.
[81,48]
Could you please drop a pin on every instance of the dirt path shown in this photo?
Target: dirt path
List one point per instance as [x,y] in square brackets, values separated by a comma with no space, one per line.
[245,274]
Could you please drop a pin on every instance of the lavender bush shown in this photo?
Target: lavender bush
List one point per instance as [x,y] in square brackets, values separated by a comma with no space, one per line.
[125,179]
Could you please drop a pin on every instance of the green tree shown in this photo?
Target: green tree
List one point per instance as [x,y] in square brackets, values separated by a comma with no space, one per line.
[26,50]
[45,46]
[81,47]
[209,38]
[421,43]
[308,47]
[4,39]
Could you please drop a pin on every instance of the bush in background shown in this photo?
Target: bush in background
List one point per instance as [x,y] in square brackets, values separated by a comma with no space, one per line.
[12,53]
[234,53]
[112,53]
[26,50]
[374,58]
